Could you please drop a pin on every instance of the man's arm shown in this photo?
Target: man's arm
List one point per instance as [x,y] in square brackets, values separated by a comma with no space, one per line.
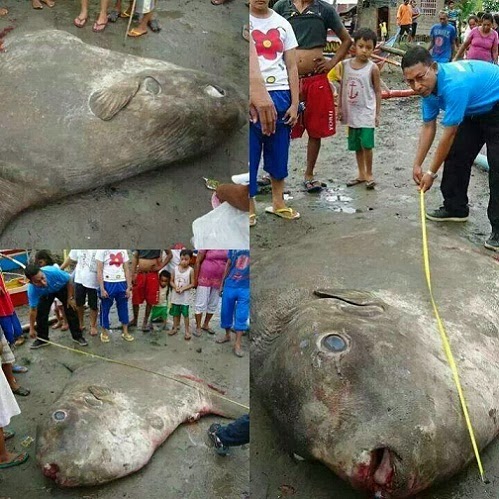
[426,137]
[128,277]
[291,116]
[71,293]
[226,271]
[32,322]
[323,65]
[261,106]
[67,262]
[135,265]
[439,157]
[100,278]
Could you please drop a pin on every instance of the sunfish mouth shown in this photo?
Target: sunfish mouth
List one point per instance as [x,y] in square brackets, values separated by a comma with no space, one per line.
[51,470]
[376,475]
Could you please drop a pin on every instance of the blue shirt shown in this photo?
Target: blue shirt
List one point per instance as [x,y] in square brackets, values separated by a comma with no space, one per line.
[239,271]
[464,88]
[443,38]
[56,280]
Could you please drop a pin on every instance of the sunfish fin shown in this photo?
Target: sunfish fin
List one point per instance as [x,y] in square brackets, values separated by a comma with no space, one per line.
[107,102]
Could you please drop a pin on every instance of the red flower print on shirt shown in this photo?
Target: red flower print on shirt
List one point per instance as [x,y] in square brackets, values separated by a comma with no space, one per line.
[116,259]
[268,44]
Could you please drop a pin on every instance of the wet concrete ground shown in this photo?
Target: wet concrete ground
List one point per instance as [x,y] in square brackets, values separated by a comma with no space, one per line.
[185,466]
[148,209]
[331,219]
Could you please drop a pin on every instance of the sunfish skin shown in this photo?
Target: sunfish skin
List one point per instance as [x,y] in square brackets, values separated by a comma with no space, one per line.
[110,419]
[75,117]
[359,380]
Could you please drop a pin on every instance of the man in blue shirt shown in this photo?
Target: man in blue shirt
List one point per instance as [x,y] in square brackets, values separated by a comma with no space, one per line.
[443,39]
[468,92]
[46,284]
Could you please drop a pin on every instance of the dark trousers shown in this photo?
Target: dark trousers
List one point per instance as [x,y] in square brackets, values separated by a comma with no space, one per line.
[236,433]
[43,310]
[472,134]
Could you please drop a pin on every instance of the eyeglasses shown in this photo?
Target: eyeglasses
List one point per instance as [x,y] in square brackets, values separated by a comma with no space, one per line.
[417,79]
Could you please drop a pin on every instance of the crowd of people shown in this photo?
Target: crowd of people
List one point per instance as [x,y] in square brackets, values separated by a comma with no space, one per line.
[169,281]
[290,93]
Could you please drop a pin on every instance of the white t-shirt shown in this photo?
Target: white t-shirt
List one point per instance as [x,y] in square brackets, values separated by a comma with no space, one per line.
[113,260]
[182,278]
[86,268]
[273,36]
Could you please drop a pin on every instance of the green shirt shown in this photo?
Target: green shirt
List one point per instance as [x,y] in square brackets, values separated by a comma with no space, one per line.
[311,25]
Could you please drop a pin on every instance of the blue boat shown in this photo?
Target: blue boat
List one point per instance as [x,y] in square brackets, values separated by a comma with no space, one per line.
[7,265]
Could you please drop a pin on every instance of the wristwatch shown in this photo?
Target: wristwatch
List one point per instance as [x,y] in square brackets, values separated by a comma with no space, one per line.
[432,175]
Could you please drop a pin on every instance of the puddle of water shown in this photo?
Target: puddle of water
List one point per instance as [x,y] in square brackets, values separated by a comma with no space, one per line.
[334,200]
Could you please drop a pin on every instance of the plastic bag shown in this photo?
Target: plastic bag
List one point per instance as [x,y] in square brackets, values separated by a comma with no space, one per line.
[225,227]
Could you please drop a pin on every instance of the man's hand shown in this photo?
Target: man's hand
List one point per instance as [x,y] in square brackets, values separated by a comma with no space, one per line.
[323,65]
[72,303]
[262,109]
[32,333]
[426,182]
[417,174]
[291,116]
[103,293]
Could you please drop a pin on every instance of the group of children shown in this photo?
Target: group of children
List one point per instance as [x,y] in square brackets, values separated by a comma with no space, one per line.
[164,279]
[358,107]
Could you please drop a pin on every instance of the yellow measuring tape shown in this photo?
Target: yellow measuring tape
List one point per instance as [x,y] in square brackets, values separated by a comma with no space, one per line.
[169,376]
[445,339]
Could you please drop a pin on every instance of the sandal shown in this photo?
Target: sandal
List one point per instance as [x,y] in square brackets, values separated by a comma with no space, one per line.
[22,392]
[187,336]
[172,331]
[286,213]
[48,3]
[222,340]
[355,181]
[245,33]
[36,4]
[127,337]
[252,220]
[99,27]
[3,12]
[208,330]
[113,16]
[146,329]
[104,337]
[197,333]
[79,22]
[19,369]
[370,185]
[19,459]
[312,186]
[135,33]
[154,26]
[238,352]
[8,434]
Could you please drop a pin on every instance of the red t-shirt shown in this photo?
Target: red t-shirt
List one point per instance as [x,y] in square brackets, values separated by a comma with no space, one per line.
[6,307]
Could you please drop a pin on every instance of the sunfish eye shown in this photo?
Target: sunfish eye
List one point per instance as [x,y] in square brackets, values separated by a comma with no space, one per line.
[334,343]
[59,416]
[213,91]
[152,86]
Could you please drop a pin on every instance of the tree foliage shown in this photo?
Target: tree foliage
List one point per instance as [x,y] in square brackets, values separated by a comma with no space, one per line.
[491,5]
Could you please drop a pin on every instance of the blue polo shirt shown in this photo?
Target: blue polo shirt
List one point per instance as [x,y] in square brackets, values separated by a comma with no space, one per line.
[464,88]
[443,38]
[56,280]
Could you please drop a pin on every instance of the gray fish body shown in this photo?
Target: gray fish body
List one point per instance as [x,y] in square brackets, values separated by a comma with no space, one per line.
[76,117]
[359,380]
[110,419]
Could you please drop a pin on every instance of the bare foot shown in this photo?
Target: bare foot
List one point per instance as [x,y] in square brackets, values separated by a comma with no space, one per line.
[48,3]
[36,4]
[173,331]
[3,12]
[225,339]
[93,331]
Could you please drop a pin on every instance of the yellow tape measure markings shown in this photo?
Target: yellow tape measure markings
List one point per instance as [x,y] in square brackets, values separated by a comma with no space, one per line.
[445,340]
